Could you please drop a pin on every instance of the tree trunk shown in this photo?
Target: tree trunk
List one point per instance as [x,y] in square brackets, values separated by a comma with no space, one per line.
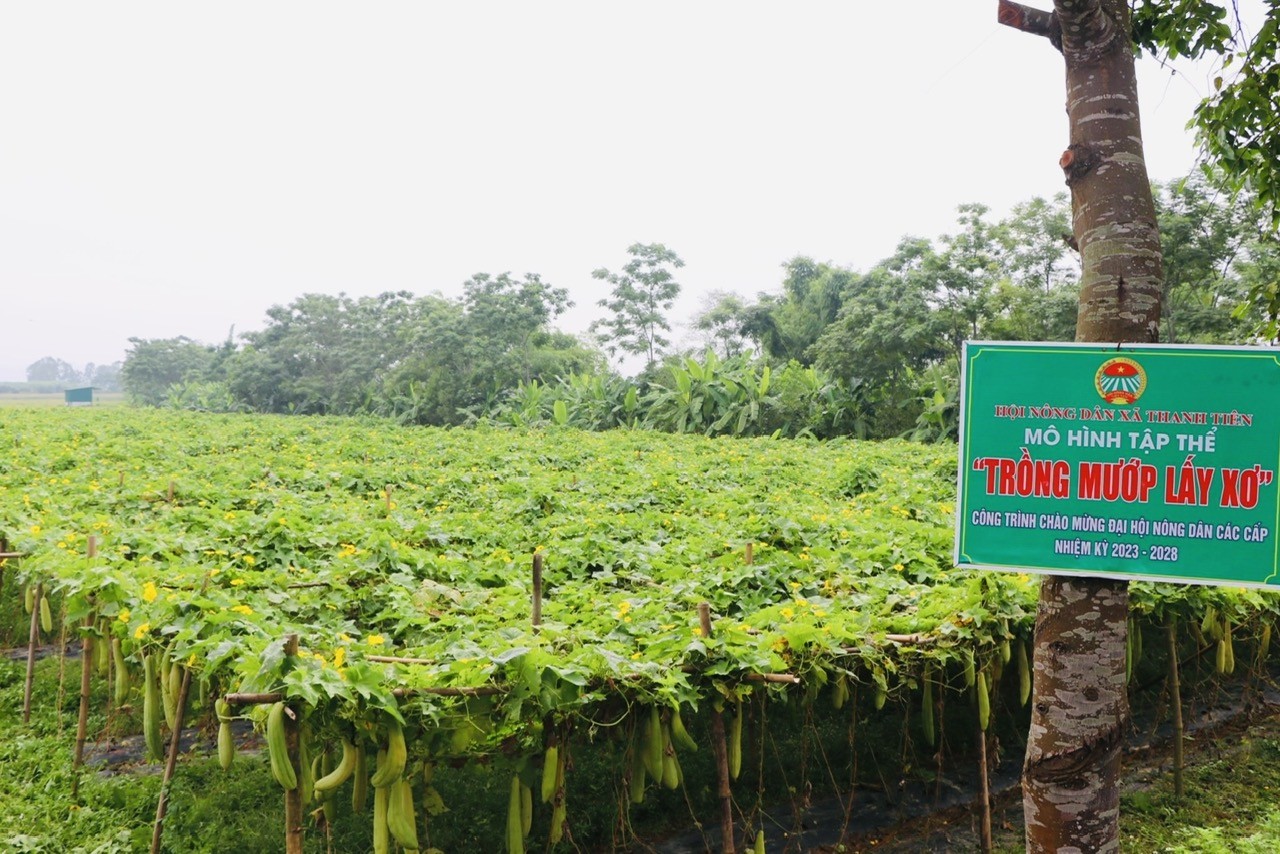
[1079,701]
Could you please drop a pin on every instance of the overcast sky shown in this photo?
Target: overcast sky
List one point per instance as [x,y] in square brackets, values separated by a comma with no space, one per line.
[175,169]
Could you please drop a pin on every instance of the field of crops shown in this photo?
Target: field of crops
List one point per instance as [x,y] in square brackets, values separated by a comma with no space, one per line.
[196,546]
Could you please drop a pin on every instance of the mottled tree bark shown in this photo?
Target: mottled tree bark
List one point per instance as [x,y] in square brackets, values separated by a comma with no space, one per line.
[1079,702]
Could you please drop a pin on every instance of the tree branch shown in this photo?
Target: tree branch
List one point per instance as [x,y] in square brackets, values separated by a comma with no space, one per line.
[1029,20]
[1092,27]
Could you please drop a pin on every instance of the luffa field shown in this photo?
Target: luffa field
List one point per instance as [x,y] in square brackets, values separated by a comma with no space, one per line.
[593,630]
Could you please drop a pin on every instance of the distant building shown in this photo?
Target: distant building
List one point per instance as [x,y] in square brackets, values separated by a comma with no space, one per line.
[79,396]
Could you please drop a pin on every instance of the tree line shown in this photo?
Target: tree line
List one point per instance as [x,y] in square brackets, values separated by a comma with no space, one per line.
[50,374]
[834,352]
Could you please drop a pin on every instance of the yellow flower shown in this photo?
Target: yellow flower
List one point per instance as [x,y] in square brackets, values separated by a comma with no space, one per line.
[236,582]
[149,592]
[788,613]
[35,529]
[249,561]
[635,656]
[242,609]
[141,631]
[898,567]
[375,640]
[124,616]
[339,656]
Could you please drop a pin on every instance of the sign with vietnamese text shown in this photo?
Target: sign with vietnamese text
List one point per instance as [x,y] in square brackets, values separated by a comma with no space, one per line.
[1153,462]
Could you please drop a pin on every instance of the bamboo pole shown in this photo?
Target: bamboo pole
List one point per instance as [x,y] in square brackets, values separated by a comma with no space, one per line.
[171,763]
[720,749]
[82,721]
[776,678]
[1175,695]
[33,642]
[62,664]
[86,674]
[245,699]
[293,815]
[987,843]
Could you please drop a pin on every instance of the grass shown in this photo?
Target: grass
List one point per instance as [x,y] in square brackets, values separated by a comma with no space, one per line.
[1229,805]
[25,399]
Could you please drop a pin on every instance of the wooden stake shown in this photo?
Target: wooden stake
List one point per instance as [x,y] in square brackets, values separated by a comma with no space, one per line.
[86,673]
[751,553]
[293,815]
[537,591]
[62,665]
[171,764]
[82,723]
[720,749]
[987,842]
[1175,696]
[170,491]
[32,643]
[386,493]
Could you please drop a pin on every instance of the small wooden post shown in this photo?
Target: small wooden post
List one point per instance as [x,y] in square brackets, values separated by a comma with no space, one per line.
[720,749]
[987,843]
[293,815]
[32,643]
[171,764]
[1175,697]
[386,496]
[62,667]
[170,491]
[86,672]
[537,591]
[751,553]
[121,477]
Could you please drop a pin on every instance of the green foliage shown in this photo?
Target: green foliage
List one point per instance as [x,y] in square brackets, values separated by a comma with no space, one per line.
[152,365]
[366,539]
[1205,240]
[203,397]
[642,294]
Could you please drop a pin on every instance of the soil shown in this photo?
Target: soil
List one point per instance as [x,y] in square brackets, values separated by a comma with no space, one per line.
[917,816]
[921,816]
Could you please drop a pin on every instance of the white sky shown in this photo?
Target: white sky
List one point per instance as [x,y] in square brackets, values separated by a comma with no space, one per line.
[170,169]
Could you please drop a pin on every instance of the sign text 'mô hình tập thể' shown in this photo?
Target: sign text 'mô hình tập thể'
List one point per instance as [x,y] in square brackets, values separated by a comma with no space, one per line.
[1127,461]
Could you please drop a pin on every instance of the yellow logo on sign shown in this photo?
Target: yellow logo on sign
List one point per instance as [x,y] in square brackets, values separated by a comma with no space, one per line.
[1120,381]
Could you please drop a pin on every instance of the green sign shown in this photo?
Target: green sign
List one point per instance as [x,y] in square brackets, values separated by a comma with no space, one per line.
[1154,462]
